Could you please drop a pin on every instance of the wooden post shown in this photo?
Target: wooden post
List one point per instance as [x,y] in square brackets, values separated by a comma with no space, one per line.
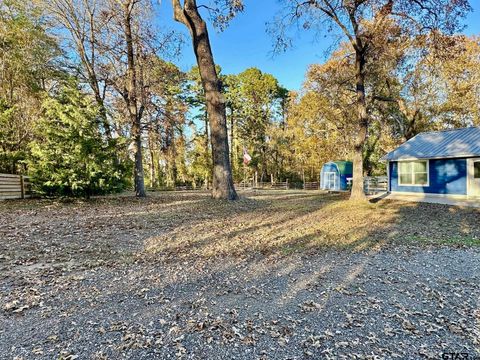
[244,176]
[286,185]
[22,187]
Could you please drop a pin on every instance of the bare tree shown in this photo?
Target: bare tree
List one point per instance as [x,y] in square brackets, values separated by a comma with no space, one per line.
[80,19]
[361,22]
[189,15]
[134,106]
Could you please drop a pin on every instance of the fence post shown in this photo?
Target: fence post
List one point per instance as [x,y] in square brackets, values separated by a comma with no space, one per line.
[286,185]
[22,187]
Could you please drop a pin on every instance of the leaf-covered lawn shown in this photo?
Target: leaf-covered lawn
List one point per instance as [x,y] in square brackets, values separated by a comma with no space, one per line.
[191,224]
[278,274]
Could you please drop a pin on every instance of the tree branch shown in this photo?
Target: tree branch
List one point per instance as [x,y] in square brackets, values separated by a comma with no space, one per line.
[178,14]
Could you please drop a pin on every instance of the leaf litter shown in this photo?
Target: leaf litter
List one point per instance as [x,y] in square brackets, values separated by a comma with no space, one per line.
[276,275]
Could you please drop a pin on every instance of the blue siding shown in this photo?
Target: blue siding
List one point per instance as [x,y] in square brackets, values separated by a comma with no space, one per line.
[447,176]
[343,181]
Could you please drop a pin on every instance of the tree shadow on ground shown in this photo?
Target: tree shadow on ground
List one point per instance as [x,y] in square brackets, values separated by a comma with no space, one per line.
[309,221]
[282,264]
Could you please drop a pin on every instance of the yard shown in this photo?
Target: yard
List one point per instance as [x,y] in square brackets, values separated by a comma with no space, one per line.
[275,275]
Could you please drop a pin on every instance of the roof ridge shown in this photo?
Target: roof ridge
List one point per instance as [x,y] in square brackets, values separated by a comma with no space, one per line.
[445,130]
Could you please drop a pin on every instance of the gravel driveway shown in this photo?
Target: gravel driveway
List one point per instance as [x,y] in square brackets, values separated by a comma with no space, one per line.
[382,302]
[388,304]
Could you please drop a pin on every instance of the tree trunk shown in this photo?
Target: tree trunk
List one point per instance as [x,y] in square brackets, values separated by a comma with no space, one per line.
[133,110]
[357,185]
[222,187]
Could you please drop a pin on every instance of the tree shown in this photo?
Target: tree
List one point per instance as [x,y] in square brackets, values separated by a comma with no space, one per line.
[189,15]
[84,25]
[69,154]
[110,43]
[165,116]
[426,87]
[318,126]
[361,22]
[130,94]
[28,63]
[201,152]
[254,101]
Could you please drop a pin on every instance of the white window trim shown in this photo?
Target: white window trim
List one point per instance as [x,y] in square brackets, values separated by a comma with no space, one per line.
[470,178]
[417,185]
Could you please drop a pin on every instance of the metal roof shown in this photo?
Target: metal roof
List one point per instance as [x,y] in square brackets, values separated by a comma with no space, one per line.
[439,145]
[344,167]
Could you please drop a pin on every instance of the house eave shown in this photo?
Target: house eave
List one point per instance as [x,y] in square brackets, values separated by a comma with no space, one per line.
[413,158]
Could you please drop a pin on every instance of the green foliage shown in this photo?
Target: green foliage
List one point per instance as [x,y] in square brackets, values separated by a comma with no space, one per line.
[27,61]
[10,152]
[255,103]
[69,155]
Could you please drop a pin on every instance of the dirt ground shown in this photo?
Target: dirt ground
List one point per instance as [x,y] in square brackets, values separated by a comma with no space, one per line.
[276,275]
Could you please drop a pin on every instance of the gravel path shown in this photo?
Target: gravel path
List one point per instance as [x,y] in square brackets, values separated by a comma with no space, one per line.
[388,304]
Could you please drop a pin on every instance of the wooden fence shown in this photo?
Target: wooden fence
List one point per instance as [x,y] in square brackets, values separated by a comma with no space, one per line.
[375,184]
[277,185]
[283,185]
[186,188]
[244,185]
[15,187]
[311,185]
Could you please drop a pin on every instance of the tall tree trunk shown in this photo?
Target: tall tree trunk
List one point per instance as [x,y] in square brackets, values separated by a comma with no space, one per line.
[357,186]
[134,113]
[223,187]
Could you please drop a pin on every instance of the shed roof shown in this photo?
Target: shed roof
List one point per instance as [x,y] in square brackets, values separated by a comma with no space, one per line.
[344,167]
[439,145]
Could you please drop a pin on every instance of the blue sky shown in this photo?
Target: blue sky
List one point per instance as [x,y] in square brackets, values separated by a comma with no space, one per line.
[245,43]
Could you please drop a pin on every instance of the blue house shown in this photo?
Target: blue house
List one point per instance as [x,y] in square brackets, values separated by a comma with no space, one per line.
[442,163]
[334,175]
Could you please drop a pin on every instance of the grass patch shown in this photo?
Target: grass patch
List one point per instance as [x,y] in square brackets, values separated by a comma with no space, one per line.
[468,241]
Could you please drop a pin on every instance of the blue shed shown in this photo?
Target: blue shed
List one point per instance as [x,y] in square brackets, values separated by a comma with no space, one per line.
[334,175]
[442,163]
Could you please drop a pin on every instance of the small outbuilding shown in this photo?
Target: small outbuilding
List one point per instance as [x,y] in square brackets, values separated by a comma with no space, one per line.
[335,174]
[440,163]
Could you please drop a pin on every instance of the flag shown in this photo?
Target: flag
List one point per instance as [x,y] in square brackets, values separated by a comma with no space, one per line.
[246,158]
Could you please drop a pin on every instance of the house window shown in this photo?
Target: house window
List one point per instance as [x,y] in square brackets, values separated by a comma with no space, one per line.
[413,173]
[476,170]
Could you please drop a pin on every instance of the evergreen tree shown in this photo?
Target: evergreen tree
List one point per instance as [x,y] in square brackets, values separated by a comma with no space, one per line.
[69,155]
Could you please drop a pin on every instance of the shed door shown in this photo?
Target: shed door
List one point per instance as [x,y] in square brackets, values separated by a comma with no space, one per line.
[330,180]
[474,177]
